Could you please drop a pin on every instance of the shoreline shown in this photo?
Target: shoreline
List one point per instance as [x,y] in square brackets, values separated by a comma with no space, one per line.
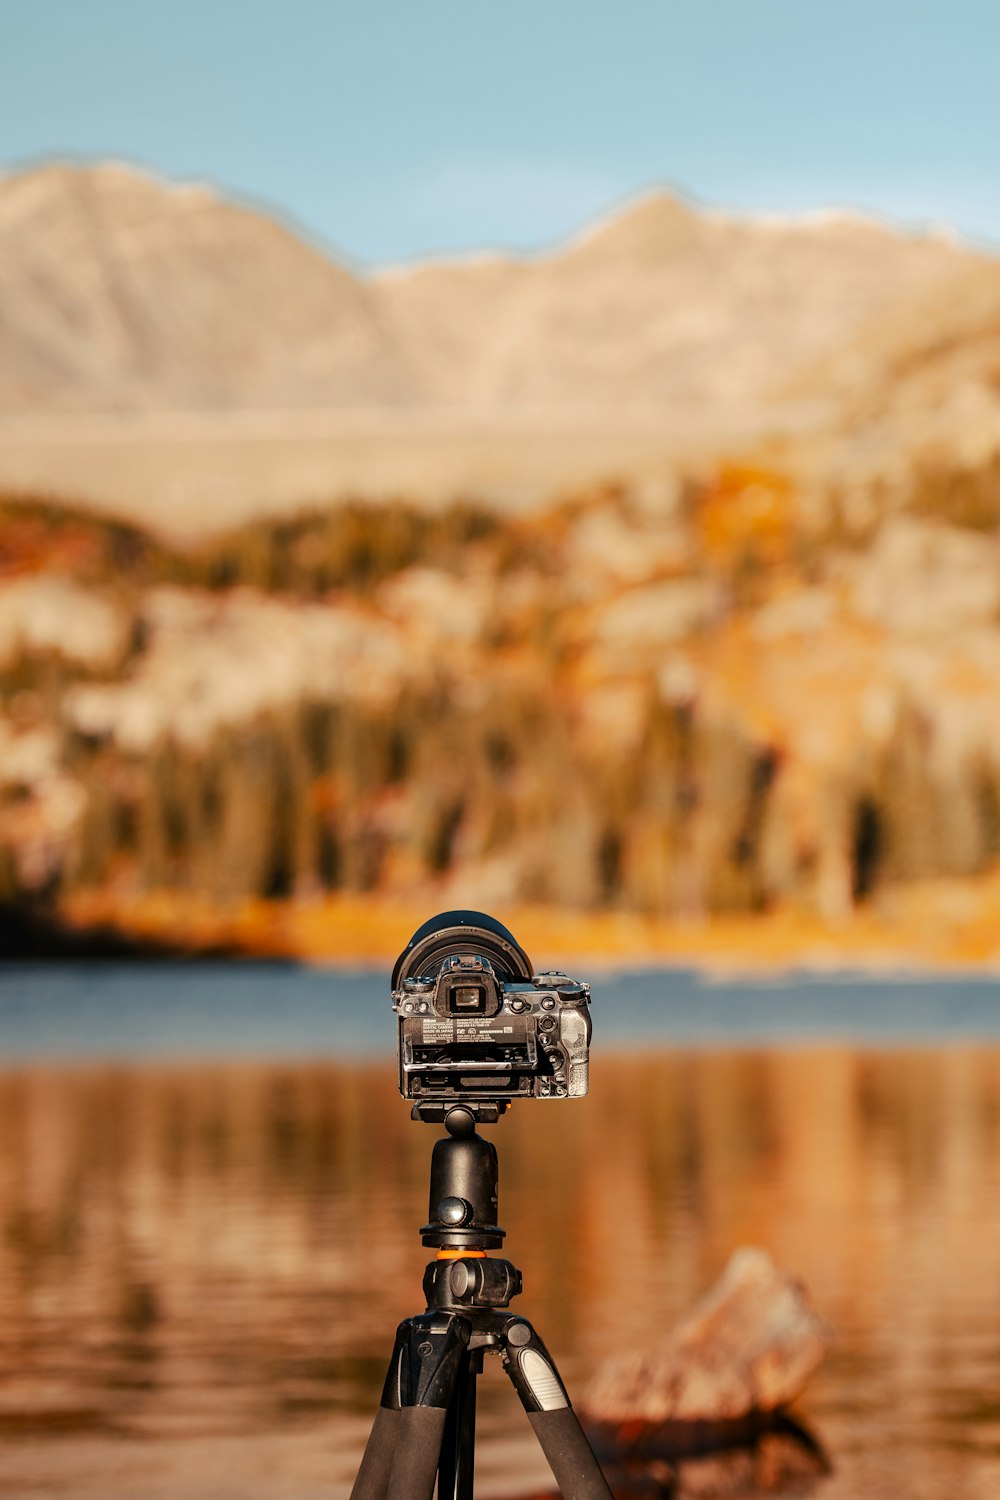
[942,927]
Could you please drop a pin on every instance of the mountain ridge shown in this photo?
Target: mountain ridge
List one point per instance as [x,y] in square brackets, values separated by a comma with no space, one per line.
[120,291]
[171,355]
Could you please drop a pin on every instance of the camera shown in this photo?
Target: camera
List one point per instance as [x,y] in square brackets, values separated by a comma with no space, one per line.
[477,1028]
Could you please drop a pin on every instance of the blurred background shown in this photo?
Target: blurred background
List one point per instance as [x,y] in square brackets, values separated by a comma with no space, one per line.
[548,462]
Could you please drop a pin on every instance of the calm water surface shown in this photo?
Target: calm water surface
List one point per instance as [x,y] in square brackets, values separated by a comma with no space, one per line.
[210,1194]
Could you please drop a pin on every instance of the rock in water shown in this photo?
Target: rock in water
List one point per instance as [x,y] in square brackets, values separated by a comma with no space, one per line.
[746,1350]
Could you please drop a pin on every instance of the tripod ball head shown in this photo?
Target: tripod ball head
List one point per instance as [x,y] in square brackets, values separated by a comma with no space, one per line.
[462,1212]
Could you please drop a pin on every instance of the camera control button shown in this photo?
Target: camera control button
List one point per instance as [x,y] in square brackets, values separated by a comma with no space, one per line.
[574,994]
[454,1211]
[548,1002]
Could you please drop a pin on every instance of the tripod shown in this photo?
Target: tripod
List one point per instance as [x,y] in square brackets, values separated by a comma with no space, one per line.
[425,1427]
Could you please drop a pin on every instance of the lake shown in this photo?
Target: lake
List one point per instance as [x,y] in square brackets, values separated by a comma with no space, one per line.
[210,1197]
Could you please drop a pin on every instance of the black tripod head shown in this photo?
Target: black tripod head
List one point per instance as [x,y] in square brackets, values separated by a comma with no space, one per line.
[463,1196]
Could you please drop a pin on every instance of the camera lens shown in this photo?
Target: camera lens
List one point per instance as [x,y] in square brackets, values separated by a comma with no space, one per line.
[461,932]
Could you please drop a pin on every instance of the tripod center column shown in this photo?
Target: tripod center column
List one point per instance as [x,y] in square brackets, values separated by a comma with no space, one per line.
[462,1213]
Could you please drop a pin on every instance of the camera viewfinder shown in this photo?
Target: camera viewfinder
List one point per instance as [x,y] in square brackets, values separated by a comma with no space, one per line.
[468,997]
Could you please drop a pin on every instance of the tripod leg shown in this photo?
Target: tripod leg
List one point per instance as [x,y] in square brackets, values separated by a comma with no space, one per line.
[404,1448]
[417,1453]
[372,1482]
[534,1376]
[456,1474]
[569,1455]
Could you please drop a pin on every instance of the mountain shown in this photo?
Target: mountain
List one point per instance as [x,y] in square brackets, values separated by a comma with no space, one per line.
[659,305]
[119,292]
[763,675]
[923,382]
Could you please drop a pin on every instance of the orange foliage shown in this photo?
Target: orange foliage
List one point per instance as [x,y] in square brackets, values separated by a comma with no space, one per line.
[937,924]
[745,511]
[28,546]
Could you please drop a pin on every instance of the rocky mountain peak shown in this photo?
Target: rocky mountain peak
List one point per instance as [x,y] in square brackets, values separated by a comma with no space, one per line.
[650,228]
[120,291]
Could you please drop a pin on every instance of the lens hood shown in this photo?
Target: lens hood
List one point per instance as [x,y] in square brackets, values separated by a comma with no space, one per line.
[462,932]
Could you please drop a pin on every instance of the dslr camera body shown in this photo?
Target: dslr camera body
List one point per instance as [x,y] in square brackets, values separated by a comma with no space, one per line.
[477,1028]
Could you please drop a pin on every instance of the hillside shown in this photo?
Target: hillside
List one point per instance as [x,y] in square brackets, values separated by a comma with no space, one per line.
[674,703]
[657,575]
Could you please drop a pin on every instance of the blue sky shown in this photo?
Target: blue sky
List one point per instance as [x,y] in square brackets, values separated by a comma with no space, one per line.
[390,130]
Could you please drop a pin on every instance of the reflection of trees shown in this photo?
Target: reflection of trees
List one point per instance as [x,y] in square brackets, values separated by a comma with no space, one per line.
[210,1242]
[211,1221]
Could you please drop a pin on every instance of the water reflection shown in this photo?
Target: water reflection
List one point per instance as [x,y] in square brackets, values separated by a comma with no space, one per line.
[219,1252]
[781,1458]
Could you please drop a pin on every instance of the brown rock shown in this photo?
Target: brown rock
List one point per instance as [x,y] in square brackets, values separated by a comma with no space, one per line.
[747,1348]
